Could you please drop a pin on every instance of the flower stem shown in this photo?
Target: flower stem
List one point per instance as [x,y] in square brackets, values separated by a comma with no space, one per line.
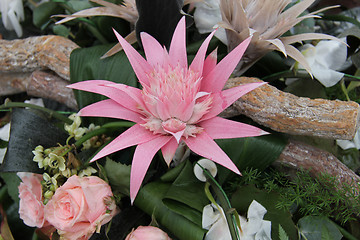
[225,203]
[51,113]
[104,128]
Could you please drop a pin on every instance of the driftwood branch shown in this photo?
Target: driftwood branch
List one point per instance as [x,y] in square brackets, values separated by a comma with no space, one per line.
[297,155]
[33,53]
[25,66]
[287,113]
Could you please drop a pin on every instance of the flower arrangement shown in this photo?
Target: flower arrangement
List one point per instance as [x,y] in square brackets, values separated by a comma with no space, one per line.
[158,137]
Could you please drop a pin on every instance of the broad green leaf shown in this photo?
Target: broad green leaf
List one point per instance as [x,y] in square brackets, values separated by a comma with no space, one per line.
[12,182]
[307,87]
[85,64]
[77,5]
[186,196]
[317,227]
[28,130]
[243,197]
[61,30]
[173,173]
[149,199]
[42,13]
[252,152]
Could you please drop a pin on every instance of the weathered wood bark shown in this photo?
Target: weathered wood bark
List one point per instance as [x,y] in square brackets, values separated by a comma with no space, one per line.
[12,83]
[298,155]
[43,52]
[49,85]
[44,84]
[287,113]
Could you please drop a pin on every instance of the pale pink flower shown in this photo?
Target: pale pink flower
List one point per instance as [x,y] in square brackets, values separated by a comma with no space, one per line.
[177,103]
[147,233]
[31,207]
[80,206]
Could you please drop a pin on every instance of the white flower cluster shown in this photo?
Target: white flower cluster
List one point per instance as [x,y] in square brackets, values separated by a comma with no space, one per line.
[254,227]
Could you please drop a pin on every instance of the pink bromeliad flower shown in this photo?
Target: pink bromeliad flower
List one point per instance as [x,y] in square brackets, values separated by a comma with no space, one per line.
[177,103]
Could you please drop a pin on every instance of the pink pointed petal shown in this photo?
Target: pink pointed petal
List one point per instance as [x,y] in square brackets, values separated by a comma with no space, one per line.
[131,97]
[110,108]
[224,99]
[216,79]
[168,150]
[219,128]
[153,50]
[139,64]
[143,155]
[210,63]
[205,146]
[128,97]
[177,50]
[133,136]
[197,65]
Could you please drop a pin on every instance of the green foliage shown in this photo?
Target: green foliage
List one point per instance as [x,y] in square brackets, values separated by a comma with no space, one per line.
[254,152]
[12,182]
[43,12]
[316,227]
[321,196]
[282,234]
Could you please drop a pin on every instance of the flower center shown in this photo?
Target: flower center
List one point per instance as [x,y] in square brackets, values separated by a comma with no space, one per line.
[175,127]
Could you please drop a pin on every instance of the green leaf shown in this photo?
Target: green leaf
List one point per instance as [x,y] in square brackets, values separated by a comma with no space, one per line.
[282,234]
[85,64]
[317,227]
[149,199]
[118,175]
[186,196]
[251,152]
[77,5]
[42,13]
[28,130]
[306,87]
[173,173]
[61,30]
[12,182]
[243,197]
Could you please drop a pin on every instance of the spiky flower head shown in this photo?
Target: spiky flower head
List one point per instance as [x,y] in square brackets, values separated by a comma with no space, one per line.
[177,103]
[266,21]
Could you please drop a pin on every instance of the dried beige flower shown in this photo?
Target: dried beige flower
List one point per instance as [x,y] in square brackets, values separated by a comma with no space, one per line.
[266,21]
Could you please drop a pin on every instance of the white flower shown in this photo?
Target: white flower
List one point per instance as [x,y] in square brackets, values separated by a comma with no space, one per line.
[325,59]
[209,165]
[346,144]
[12,12]
[206,16]
[4,135]
[255,228]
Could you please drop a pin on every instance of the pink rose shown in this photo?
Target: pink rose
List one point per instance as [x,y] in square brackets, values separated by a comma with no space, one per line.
[147,233]
[80,206]
[31,208]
